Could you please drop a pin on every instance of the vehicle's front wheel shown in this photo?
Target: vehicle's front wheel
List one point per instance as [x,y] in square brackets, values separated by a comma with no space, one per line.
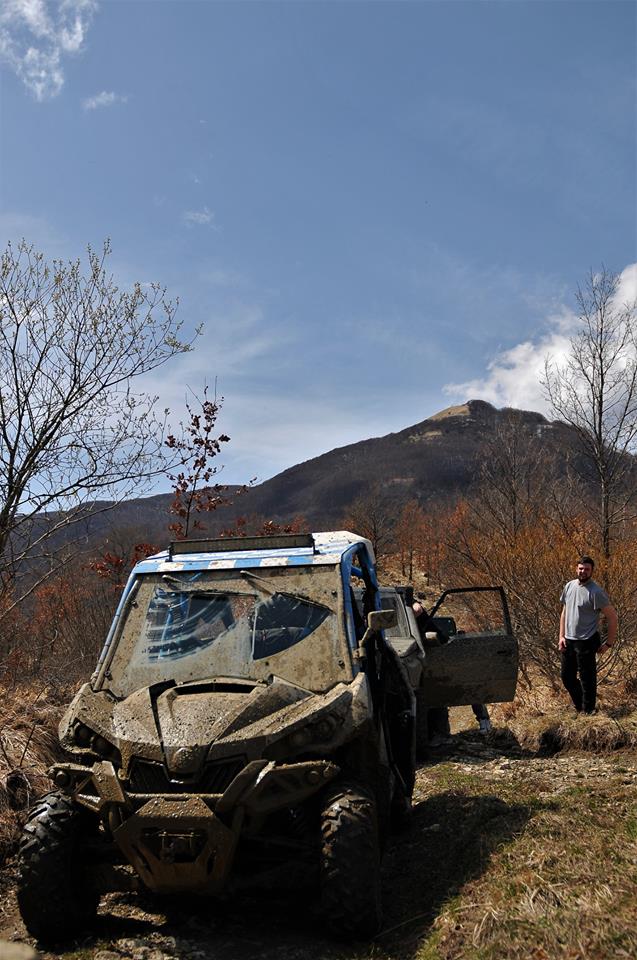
[350,862]
[54,896]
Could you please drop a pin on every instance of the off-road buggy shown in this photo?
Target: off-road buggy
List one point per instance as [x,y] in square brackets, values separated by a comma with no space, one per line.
[249,716]
[245,715]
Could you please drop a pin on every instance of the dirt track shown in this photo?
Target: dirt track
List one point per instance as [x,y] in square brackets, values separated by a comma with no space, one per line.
[471,804]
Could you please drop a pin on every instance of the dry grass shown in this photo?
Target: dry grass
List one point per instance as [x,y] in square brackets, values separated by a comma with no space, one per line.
[523,845]
[546,723]
[28,745]
[520,853]
[533,853]
[560,887]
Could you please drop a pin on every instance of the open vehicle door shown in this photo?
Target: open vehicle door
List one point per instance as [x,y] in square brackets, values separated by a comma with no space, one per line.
[471,655]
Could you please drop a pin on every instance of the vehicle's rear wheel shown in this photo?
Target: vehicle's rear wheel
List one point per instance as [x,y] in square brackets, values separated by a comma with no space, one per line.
[54,895]
[350,862]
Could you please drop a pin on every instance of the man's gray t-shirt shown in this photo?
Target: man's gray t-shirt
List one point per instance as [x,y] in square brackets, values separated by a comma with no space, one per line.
[582,605]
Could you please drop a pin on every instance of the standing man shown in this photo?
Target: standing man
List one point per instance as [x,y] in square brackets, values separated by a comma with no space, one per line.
[582,602]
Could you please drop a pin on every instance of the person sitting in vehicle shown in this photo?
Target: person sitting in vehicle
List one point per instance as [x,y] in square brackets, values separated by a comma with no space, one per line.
[428,624]
[439,716]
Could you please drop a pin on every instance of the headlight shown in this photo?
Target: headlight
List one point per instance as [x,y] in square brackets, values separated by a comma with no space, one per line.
[87,739]
[300,737]
[324,729]
[102,746]
[62,778]
[320,731]
[83,735]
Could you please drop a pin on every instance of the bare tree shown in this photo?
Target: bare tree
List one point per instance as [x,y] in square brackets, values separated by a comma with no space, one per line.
[409,535]
[514,474]
[595,391]
[72,426]
[373,515]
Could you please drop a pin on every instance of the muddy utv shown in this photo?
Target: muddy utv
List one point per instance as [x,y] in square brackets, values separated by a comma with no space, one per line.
[246,714]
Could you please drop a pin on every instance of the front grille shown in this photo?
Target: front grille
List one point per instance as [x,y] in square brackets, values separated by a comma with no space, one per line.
[149,777]
[146,777]
[220,774]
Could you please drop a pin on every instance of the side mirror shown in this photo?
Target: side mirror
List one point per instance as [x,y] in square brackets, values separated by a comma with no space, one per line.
[377,620]
[381,620]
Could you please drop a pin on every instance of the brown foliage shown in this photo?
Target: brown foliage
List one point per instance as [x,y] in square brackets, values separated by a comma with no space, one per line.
[56,637]
[373,516]
[258,527]
[196,449]
[523,529]
[471,545]
[114,565]
[29,715]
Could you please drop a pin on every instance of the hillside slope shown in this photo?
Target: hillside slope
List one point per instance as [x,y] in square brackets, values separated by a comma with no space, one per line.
[436,459]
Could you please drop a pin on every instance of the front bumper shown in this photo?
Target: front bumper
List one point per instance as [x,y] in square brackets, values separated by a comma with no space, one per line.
[186,841]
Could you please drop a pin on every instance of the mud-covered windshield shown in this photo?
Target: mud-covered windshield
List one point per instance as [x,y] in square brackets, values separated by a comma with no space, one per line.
[245,627]
[180,623]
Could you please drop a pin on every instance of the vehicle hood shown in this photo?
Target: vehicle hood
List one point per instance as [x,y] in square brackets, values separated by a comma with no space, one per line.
[184,726]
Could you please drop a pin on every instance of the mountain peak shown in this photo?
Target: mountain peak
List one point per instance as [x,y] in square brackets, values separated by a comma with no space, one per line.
[468,409]
[458,411]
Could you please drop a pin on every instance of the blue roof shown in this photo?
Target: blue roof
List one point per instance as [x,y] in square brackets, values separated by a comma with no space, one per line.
[328,549]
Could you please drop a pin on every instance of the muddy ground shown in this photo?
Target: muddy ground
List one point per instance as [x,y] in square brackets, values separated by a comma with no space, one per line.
[486,813]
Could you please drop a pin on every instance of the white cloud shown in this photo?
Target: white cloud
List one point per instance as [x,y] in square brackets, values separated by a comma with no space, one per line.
[199,217]
[235,340]
[627,292]
[35,36]
[103,99]
[496,140]
[273,421]
[487,295]
[514,376]
[271,432]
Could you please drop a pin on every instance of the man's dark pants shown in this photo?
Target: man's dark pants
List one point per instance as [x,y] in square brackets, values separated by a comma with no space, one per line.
[580,658]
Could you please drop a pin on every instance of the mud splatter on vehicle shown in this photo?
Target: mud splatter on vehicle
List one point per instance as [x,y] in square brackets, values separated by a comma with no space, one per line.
[247,714]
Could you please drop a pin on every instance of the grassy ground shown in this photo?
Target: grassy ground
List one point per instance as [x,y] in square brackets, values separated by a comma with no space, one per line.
[550,869]
[510,854]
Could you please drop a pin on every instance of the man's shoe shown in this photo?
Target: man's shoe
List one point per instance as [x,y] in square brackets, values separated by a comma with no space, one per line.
[485,726]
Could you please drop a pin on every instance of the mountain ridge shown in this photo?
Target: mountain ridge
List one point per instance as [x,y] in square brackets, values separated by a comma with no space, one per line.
[438,455]
[435,459]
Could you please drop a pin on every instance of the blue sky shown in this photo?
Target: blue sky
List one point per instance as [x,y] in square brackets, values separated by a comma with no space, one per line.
[376,209]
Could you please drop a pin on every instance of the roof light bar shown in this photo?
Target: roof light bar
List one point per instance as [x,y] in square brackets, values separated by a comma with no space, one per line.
[283,541]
